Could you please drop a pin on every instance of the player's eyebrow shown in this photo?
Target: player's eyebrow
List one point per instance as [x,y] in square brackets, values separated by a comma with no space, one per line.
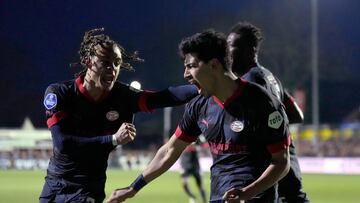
[191,64]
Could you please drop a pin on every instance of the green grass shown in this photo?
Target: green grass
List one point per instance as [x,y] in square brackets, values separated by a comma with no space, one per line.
[25,186]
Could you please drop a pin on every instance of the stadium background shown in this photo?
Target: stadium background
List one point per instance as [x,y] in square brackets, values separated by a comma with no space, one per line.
[40,38]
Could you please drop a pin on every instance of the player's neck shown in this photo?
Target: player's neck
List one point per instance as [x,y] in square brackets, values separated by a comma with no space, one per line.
[94,91]
[226,86]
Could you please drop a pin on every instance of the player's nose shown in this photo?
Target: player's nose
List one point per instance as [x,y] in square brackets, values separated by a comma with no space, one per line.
[187,74]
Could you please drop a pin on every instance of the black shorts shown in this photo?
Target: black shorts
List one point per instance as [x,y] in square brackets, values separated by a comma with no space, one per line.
[58,190]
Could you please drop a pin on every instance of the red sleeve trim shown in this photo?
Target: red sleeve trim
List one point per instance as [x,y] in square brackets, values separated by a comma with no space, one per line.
[55,118]
[279,146]
[184,137]
[289,101]
[143,100]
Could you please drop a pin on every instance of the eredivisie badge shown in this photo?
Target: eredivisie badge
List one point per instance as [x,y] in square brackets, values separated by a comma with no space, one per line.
[50,101]
[275,120]
[237,126]
[112,115]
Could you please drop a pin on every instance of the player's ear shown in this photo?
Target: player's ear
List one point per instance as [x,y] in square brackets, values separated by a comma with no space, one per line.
[215,63]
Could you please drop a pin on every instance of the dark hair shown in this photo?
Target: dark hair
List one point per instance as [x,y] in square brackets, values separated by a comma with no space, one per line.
[87,49]
[250,34]
[206,45]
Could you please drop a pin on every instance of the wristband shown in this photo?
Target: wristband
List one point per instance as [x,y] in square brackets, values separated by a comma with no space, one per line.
[114,140]
[138,183]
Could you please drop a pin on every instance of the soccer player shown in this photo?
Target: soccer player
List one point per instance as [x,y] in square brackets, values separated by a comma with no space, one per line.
[245,127]
[189,162]
[92,114]
[244,42]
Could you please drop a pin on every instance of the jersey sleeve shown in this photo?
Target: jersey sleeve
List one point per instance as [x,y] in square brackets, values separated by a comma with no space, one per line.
[188,129]
[292,109]
[273,125]
[172,96]
[256,76]
[54,104]
[267,80]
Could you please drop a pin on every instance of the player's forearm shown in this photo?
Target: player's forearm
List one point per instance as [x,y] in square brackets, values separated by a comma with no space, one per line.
[172,96]
[273,173]
[163,160]
[63,141]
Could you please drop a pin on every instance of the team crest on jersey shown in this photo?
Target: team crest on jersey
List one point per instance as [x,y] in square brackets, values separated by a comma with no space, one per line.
[50,101]
[112,115]
[275,120]
[237,126]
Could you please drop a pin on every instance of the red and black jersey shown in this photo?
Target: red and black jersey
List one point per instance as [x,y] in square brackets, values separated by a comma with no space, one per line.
[242,133]
[82,128]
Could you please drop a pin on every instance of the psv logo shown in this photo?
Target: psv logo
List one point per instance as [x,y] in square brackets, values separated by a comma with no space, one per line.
[112,115]
[237,126]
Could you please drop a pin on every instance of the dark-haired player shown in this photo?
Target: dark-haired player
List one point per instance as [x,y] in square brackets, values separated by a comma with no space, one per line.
[244,43]
[92,114]
[245,127]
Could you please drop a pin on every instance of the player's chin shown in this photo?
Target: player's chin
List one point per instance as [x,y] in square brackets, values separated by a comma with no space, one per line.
[107,85]
[203,92]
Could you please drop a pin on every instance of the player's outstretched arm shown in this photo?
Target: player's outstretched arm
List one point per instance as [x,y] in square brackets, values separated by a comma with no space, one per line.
[125,134]
[165,157]
[172,96]
[277,169]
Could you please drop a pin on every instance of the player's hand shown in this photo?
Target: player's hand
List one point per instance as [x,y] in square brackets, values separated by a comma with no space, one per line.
[234,196]
[120,195]
[126,133]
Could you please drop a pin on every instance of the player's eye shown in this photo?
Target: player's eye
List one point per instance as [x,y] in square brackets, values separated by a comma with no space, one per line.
[117,62]
[191,65]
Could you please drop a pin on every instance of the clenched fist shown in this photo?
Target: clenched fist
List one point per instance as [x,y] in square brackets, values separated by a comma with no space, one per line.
[125,134]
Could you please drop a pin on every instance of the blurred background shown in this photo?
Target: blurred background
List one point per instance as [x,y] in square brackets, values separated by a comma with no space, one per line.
[312,46]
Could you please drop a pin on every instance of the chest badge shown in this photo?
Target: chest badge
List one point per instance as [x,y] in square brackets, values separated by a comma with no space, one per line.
[112,115]
[237,126]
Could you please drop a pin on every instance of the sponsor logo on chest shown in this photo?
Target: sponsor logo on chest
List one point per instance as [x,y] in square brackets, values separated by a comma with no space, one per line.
[112,115]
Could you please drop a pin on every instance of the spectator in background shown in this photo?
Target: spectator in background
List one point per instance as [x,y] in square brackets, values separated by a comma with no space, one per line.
[190,166]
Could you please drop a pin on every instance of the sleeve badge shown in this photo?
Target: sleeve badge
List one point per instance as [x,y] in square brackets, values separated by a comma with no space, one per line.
[275,120]
[50,101]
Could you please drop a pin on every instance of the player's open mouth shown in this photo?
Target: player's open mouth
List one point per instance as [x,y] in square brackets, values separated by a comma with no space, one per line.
[108,79]
[196,84]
